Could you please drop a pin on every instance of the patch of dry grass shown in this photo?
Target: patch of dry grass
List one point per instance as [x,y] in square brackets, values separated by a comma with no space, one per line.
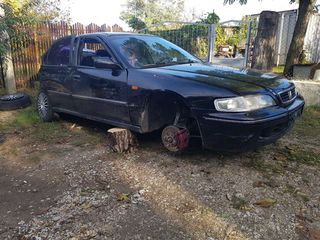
[309,123]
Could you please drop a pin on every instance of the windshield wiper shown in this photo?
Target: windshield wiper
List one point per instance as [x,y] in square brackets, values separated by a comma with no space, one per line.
[187,61]
[161,64]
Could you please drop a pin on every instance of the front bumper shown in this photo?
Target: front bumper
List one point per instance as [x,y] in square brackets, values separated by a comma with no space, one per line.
[245,131]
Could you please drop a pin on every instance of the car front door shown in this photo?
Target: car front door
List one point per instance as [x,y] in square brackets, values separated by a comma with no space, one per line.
[98,92]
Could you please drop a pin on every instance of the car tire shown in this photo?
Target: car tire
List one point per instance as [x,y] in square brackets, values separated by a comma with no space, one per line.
[14,101]
[44,107]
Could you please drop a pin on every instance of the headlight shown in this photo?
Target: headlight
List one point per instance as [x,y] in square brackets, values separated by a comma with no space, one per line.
[244,103]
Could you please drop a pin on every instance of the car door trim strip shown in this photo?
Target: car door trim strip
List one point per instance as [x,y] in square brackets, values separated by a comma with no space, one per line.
[100,99]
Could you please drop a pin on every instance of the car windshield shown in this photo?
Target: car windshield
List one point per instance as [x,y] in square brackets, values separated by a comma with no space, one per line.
[149,51]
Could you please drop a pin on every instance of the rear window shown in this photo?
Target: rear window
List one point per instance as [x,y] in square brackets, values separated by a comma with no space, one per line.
[59,53]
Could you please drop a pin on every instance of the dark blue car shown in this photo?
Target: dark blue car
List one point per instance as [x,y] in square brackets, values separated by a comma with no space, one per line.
[145,83]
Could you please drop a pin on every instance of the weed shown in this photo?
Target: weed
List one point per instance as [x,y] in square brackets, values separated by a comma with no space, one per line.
[240,203]
[296,193]
[302,156]
[290,189]
[26,117]
[278,69]
[309,123]
[85,192]
[266,167]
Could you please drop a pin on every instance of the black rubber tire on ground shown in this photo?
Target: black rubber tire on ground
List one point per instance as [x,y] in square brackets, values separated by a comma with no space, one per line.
[44,107]
[14,101]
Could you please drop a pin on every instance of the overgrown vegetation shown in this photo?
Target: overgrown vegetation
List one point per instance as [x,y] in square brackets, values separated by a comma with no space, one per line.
[19,17]
[194,38]
[141,13]
[28,121]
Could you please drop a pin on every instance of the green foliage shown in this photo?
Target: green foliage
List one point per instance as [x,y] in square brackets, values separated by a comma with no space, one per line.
[152,11]
[27,117]
[211,18]
[136,23]
[221,38]
[309,124]
[192,38]
[20,15]
[236,38]
[278,69]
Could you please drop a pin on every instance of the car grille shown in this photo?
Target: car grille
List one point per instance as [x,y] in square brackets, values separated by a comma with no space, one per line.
[288,95]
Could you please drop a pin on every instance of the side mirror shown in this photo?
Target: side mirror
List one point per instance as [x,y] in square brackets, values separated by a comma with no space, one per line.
[106,63]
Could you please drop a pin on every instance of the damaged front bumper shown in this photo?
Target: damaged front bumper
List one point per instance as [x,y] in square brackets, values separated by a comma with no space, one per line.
[245,131]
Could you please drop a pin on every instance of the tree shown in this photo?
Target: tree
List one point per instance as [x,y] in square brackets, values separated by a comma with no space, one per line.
[296,47]
[211,18]
[152,11]
[136,23]
[304,13]
[19,16]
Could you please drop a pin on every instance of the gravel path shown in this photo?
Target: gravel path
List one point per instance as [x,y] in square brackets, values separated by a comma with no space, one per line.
[62,188]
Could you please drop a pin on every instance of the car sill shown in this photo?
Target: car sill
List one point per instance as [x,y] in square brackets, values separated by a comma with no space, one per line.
[97,119]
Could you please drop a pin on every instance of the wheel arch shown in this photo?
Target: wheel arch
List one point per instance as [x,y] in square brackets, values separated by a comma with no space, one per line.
[161,108]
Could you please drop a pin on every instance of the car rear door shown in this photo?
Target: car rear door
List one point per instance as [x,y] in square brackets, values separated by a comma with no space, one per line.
[55,73]
[98,92]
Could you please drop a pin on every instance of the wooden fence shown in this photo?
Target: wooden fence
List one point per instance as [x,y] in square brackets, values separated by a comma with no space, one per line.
[26,54]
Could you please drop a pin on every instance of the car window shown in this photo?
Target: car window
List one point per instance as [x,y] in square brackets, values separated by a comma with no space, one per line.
[91,48]
[59,53]
[149,51]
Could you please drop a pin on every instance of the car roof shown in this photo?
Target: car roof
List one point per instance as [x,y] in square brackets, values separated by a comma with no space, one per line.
[110,34]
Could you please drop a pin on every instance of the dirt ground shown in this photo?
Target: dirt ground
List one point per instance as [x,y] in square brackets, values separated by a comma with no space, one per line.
[59,180]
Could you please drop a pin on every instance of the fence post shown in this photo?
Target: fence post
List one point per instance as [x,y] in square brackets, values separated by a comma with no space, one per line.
[211,42]
[35,41]
[9,78]
[247,49]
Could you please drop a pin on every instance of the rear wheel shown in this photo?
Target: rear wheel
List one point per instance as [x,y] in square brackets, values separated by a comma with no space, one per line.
[44,107]
[175,139]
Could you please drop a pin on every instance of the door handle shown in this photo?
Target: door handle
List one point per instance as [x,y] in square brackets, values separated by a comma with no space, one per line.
[103,86]
[76,78]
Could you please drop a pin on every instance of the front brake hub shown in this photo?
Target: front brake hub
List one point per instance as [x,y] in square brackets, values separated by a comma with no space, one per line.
[175,139]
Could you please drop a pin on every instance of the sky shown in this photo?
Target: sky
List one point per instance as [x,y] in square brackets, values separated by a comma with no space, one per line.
[108,11]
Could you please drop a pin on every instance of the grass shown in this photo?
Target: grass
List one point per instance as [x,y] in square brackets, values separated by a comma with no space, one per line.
[309,123]
[2,91]
[21,119]
[307,133]
[28,122]
[26,117]
[302,156]
[278,69]
[307,127]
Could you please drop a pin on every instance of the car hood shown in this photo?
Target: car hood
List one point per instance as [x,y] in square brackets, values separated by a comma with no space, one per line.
[243,80]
